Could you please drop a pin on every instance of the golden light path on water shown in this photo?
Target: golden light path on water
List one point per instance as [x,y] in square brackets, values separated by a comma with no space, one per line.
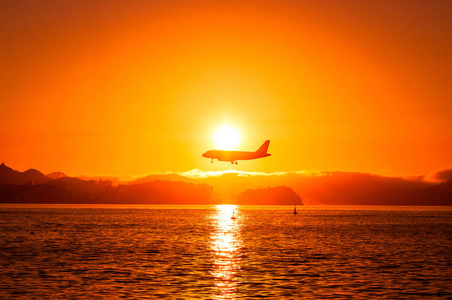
[225,245]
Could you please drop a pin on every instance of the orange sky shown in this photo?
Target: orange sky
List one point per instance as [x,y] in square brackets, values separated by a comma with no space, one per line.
[137,87]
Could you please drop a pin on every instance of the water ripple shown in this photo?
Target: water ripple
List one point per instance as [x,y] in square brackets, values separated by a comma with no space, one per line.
[104,253]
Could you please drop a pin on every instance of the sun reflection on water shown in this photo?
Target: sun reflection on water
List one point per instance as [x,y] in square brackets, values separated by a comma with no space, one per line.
[225,247]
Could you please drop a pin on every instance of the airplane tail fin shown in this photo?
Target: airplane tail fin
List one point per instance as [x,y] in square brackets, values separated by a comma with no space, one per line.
[264,148]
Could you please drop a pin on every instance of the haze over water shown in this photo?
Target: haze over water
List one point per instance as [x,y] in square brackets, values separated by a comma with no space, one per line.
[78,252]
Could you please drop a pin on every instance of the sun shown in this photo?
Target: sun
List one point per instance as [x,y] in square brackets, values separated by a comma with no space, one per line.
[226,137]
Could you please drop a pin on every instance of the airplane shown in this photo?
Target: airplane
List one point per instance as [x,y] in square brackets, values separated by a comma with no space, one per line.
[234,156]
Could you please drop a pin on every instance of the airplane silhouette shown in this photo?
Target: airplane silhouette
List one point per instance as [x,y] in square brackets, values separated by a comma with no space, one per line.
[234,156]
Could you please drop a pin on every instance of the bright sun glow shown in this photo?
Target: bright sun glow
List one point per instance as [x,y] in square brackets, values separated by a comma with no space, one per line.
[226,137]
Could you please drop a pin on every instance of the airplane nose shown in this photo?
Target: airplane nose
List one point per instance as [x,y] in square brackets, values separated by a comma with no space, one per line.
[204,154]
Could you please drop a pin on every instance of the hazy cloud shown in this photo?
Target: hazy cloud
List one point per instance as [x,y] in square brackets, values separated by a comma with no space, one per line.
[196,173]
[441,175]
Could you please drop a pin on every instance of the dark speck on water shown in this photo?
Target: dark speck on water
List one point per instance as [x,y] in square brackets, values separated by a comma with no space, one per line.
[104,252]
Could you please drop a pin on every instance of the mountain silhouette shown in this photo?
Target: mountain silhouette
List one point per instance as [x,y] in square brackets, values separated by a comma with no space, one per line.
[32,186]
[8,175]
[31,176]
[330,188]
[162,177]
[34,177]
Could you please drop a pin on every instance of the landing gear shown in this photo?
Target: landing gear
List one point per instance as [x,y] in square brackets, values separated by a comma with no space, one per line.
[236,162]
[211,161]
[232,162]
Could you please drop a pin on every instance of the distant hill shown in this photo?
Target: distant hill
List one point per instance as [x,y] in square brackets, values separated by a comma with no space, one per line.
[56,175]
[333,188]
[163,177]
[32,186]
[440,194]
[327,188]
[77,191]
[31,176]
[280,195]
[8,175]
[34,176]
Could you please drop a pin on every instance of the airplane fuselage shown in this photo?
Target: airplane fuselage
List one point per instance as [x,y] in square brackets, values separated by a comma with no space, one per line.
[223,155]
[234,156]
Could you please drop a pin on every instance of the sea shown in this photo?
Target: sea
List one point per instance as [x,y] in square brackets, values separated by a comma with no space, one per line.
[201,252]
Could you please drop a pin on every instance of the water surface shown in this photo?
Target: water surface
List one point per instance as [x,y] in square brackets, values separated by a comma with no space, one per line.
[108,251]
